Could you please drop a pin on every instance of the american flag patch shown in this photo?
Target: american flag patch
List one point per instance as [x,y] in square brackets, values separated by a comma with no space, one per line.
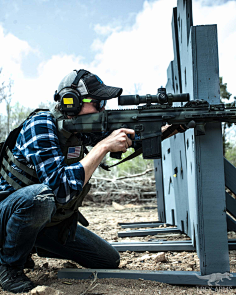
[73,152]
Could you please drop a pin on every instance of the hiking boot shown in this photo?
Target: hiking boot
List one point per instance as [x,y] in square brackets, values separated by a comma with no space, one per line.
[29,263]
[14,280]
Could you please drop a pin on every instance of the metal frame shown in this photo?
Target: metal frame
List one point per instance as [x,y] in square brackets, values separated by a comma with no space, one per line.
[168,277]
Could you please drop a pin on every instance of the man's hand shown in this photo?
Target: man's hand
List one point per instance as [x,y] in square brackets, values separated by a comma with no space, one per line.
[170,130]
[118,141]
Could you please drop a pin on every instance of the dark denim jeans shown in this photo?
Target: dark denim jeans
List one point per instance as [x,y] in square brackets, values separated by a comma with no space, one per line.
[23,216]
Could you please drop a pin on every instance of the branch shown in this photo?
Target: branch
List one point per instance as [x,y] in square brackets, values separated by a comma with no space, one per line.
[123,177]
[91,287]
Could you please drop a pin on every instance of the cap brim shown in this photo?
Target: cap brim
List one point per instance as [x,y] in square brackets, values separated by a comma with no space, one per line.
[105,92]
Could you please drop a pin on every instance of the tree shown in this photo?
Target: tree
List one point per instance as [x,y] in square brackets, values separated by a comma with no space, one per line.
[5,95]
[224,94]
[230,154]
[3,89]
[46,105]
[18,114]
[8,105]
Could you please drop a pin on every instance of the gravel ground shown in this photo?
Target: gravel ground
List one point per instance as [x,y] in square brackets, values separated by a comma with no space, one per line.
[104,221]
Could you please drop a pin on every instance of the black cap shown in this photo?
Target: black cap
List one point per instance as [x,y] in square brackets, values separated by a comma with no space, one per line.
[89,85]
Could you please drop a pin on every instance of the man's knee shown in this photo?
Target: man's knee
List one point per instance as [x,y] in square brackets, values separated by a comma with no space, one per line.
[38,199]
[116,262]
[43,204]
[113,260]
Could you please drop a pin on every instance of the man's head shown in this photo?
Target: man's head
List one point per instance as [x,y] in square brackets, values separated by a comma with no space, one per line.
[82,89]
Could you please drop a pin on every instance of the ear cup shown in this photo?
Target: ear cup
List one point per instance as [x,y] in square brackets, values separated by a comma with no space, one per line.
[71,103]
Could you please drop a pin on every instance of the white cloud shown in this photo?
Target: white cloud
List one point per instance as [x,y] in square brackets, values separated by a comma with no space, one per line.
[105,30]
[50,73]
[224,16]
[140,56]
[135,58]
[30,92]
[12,50]
[97,45]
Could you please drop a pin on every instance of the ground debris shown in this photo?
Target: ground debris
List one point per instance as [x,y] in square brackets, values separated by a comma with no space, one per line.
[69,264]
[45,290]
[103,221]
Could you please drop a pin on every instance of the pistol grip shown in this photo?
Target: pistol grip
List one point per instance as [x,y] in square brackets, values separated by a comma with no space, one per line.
[116,155]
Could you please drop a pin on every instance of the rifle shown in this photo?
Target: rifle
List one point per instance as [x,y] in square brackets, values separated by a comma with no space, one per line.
[146,120]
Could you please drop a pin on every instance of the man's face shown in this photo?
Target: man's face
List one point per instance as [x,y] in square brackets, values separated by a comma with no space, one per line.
[91,107]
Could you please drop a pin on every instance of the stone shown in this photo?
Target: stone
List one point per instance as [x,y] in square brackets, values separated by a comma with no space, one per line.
[44,290]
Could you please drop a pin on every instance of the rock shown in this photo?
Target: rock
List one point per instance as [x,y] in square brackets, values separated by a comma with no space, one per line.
[44,290]
[69,265]
[131,206]
[160,257]
[144,257]
[45,265]
[123,264]
[191,265]
[117,206]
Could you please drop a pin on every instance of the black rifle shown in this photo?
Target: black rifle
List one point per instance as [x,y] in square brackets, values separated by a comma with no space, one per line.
[147,120]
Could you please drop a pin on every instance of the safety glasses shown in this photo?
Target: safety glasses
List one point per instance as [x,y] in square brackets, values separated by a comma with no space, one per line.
[99,103]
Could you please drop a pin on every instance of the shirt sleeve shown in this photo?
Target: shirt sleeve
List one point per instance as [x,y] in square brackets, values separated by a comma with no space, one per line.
[40,146]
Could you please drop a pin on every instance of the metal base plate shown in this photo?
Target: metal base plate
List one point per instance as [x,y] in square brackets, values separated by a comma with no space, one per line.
[169,277]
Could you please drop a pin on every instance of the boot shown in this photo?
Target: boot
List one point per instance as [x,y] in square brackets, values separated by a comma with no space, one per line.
[14,280]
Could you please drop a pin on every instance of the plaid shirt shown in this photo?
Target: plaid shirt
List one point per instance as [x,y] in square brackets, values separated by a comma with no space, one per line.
[38,145]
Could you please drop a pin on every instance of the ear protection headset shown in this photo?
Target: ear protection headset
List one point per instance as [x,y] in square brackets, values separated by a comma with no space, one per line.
[71,101]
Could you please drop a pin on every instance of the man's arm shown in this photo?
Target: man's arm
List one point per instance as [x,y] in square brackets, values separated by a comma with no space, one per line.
[117,141]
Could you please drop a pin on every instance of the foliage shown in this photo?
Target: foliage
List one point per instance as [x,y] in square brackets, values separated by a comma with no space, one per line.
[224,94]
[46,105]
[5,88]
[5,95]
[15,114]
[134,166]
[18,114]
[230,154]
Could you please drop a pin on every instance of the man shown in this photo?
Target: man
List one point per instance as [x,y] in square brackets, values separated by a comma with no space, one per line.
[46,176]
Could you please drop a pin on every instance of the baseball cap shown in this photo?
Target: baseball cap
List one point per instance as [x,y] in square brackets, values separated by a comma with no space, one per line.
[89,85]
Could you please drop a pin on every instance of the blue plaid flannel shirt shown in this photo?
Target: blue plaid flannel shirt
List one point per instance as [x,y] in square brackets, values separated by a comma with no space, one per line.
[38,145]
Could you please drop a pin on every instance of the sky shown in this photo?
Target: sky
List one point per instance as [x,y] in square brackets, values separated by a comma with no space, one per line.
[41,41]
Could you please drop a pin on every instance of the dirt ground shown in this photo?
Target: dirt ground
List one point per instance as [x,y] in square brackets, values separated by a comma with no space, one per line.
[104,221]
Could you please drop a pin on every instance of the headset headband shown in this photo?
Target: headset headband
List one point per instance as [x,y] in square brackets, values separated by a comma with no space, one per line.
[80,74]
[74,84]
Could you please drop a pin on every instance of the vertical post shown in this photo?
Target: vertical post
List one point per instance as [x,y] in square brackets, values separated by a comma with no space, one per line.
[210,184]
[197,195]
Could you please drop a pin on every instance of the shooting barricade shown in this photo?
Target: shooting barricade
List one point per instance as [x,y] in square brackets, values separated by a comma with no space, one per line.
[192,174]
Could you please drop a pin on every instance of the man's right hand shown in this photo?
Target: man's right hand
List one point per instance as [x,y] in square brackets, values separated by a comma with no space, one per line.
[118,141]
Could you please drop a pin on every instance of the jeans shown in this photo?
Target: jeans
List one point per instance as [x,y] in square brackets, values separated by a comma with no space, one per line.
[23,216]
